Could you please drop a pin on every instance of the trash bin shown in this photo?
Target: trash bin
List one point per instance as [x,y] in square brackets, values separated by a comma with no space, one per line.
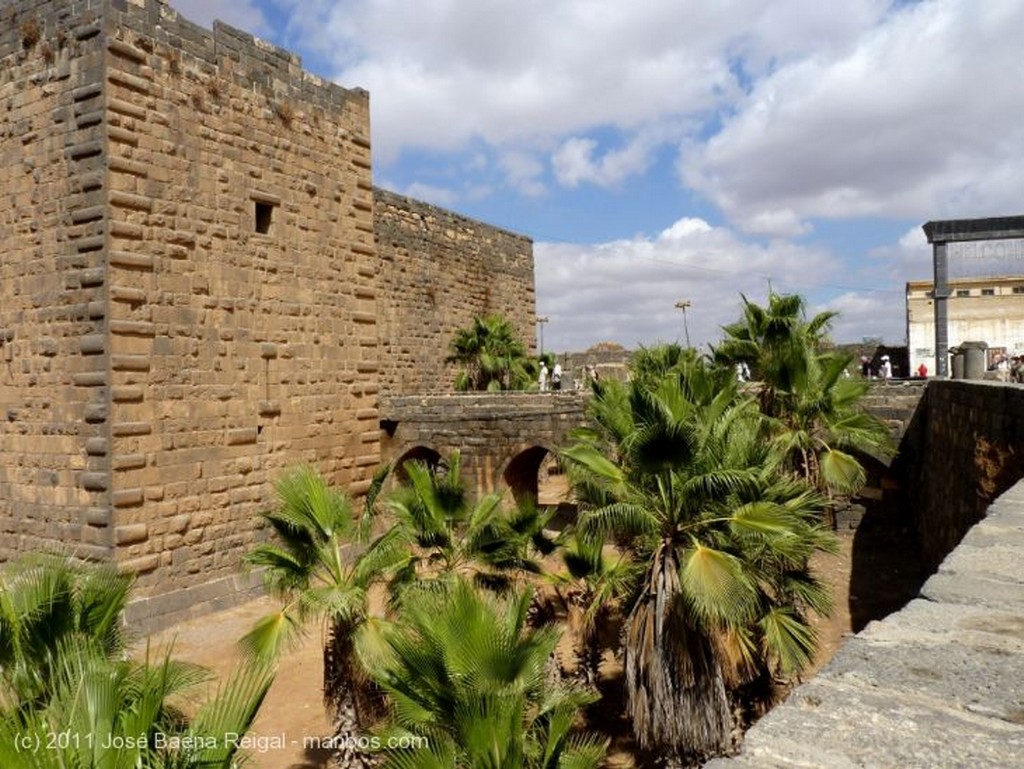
[975,359]
[957,363]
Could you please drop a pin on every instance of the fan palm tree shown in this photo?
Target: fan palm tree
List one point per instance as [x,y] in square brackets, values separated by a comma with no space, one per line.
[821,428]
[104,713]
[316,568]
[468,685]
[776,342]
[651,364]
[47,599]
[596,581]
[448,535]
[802,388]
[72,699]
[698,493]
[491,357]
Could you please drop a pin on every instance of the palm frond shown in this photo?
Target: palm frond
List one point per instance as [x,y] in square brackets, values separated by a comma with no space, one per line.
[619,518]
[231,711]
[716,586]
[787,639]
[841,472]
[271,635]
[595,462]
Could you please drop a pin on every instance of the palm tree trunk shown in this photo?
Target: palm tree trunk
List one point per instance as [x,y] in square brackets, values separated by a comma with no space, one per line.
[346,740]
[346,699]
[674,683]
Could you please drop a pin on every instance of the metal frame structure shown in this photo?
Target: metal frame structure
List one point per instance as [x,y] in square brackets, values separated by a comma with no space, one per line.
[940,234]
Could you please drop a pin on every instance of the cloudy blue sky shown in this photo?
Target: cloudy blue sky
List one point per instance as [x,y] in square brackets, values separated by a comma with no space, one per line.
[666,150]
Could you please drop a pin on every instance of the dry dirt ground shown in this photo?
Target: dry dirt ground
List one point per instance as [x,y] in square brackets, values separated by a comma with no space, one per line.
[873,574]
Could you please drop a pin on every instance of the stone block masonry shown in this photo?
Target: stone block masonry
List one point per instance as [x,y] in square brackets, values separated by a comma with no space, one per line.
[503,437]
[189,287]
[439,270]
[964,447]
[54,477]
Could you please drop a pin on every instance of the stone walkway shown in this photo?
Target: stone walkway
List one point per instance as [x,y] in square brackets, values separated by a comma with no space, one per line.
[938,684]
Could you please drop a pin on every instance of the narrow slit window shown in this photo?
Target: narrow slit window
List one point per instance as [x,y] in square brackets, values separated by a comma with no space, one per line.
[264,217]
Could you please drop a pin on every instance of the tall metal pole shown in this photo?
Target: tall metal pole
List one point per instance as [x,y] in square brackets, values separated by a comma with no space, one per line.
[682,304]
[940,295]
[540,322]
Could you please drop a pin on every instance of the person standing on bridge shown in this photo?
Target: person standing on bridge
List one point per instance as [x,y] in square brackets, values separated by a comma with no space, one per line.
[543,379]
[556,377]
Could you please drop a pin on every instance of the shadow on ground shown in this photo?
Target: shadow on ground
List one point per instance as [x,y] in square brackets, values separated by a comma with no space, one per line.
[313,758]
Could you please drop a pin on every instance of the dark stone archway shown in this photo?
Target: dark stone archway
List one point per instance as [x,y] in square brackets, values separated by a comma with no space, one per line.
[425,454]
[522,473]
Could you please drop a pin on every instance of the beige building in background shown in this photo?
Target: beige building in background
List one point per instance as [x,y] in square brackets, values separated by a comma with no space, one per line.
[987,310]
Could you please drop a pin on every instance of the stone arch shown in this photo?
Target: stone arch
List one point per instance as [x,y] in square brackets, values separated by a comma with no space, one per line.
[522,473]
[425,454]
[536,472]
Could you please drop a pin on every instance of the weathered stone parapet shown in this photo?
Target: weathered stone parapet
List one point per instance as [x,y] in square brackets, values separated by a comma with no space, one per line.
[454,407]
[939,683]
[962,449]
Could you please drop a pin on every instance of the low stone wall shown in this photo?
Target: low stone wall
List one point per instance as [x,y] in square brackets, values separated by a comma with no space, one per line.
[961,450]
[895,403]
[938,684]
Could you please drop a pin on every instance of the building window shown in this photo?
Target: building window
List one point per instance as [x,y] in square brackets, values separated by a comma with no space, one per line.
[1018,289]
[264,216]
[963,292]
[988,292]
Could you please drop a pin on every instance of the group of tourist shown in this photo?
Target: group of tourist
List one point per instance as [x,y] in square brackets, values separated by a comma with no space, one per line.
[883,370]
[554,381]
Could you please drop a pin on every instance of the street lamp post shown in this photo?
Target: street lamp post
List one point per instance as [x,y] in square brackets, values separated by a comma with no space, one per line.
[682,304]
[540,322]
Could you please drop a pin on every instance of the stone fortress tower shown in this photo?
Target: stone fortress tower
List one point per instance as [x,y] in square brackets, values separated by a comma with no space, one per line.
[200,287]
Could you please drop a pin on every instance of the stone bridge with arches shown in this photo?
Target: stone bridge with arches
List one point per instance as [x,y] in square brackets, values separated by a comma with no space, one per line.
[507,440]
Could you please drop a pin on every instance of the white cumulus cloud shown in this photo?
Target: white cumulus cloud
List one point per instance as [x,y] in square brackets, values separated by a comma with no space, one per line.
[921,118]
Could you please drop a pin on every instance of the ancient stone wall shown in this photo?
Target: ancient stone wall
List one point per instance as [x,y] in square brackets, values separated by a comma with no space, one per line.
[438,271]
[52,294]
[962,450]
[192,291]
